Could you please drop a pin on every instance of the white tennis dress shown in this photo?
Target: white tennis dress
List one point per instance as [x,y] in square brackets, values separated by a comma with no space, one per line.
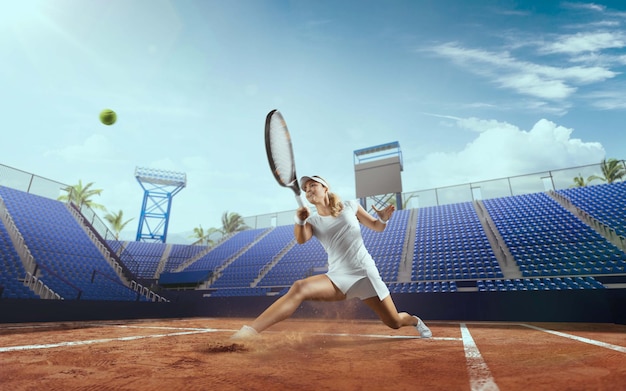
[350,265]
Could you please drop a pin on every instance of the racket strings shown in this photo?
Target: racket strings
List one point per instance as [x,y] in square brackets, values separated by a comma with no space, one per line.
[282,154]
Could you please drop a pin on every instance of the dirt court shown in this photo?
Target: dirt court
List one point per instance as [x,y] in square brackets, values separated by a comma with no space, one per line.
[302,354]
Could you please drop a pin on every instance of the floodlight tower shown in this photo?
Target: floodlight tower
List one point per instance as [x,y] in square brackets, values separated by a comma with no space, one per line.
[159,187]
[377,173]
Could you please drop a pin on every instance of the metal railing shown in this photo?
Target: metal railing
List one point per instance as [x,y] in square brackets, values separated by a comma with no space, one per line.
[474,191]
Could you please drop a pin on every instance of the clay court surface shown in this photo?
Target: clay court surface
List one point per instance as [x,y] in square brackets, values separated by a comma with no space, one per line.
[301,354]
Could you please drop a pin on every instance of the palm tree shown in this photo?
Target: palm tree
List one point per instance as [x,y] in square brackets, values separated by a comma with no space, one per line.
[232,222]
[579,181]
[79,195]
[115,221]
[198,233]
[202,236]
[612,170]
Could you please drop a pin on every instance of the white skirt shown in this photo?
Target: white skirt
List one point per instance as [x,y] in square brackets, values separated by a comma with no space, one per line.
[363,284]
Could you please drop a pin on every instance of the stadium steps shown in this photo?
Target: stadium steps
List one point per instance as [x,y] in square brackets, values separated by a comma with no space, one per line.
[125,276]
[267,268]
[107,255]
[26,261]
[201,254]
[217,273]
[121,269]
[162,261]
[503,254]
[405,268]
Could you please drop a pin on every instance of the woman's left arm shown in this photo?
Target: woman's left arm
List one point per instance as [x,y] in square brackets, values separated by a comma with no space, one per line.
[373,223]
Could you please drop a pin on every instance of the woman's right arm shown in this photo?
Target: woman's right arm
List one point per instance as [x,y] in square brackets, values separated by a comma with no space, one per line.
[302,230]
[303,233]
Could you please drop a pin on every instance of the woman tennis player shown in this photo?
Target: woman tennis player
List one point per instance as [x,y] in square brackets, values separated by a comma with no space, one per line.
[352,272]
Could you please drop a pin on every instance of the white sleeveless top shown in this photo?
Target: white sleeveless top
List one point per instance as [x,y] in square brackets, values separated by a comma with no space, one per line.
[348,259]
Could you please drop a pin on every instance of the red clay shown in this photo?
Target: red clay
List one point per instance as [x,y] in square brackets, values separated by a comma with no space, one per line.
[196,354]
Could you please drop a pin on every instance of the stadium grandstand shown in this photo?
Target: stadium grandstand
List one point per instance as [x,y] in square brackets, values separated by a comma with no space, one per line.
[549,255]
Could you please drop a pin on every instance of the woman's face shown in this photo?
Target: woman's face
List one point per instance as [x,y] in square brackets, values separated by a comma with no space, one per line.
[315,192]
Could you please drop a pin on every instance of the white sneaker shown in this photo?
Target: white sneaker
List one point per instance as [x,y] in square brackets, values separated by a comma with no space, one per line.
[423,329]
[246,332]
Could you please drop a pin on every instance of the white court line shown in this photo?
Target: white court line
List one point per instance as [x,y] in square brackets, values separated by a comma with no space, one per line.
[280,332]
[165,328]
[95,341]
[189,331]
[617,348]
[380,336]
[480,376]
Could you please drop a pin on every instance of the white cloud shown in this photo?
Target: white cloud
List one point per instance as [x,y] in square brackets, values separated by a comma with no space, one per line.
[527,78]
[585,6]
[502,150]
[579,74]
[535,85]
[608,99]
[534,79]
[538,106]
[585,42]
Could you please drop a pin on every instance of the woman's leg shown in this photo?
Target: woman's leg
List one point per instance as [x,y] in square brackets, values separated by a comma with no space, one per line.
[387,312]
[318,287]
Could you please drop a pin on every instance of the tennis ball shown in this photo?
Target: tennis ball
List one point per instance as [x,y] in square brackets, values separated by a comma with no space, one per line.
[108,117]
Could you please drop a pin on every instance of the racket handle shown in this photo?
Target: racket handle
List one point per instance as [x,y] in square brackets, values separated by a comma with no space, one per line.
[299,201]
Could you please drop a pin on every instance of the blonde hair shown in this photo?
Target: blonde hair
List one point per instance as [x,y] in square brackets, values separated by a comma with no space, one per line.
[334,201]
[336,206]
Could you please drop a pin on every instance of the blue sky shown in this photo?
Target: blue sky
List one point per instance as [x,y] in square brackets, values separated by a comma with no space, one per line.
[472,90]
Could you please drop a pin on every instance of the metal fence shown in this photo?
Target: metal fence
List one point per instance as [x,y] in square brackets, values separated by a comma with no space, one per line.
[30,183]
[473,191]
[503,187]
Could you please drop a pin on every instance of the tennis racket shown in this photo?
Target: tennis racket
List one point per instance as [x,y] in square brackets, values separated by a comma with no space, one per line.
[280,153]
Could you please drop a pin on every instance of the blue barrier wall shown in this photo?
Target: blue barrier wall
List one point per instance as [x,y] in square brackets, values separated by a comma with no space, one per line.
[597,306]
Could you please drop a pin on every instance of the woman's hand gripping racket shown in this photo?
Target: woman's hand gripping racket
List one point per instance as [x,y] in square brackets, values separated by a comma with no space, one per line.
[280,153]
